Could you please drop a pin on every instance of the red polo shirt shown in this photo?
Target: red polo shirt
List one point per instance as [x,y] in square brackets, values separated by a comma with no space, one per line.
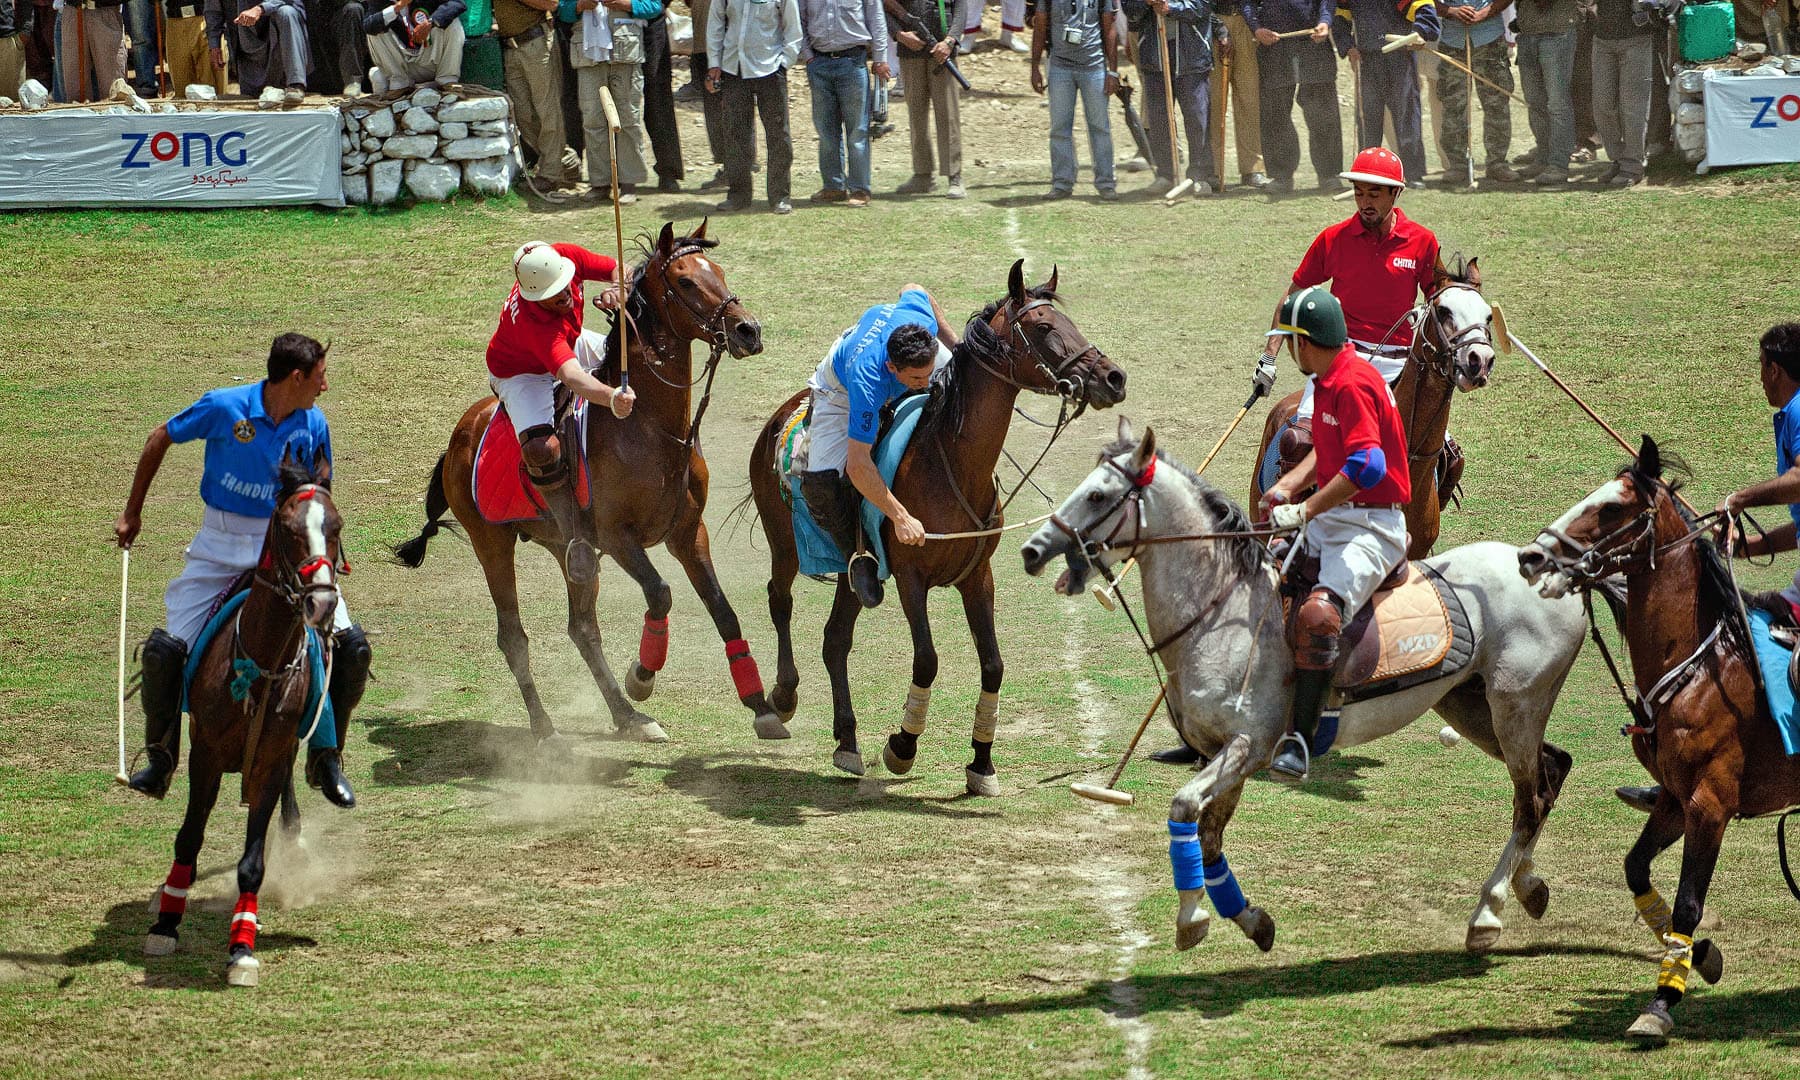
[534,341]
[1354,410]
[1375,279]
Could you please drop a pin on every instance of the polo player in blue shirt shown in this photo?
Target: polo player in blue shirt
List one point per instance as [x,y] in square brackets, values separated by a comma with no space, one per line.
[248,429]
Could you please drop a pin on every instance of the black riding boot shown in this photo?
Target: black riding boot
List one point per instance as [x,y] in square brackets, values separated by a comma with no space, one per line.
[834,503]
[1639,798]
[164,656]
[559,494]
[1177,755]
[1310,691]
[349,675]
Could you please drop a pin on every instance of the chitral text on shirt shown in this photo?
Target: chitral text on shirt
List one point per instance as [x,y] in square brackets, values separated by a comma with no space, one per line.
[532,340]
[859,360]
[244,447]
[1375,278]
[1354,410]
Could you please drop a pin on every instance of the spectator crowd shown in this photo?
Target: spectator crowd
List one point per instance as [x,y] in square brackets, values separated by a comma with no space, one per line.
[1593,75]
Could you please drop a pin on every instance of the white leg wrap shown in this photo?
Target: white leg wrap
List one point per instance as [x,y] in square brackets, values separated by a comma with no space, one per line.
[912,716]
[987,716]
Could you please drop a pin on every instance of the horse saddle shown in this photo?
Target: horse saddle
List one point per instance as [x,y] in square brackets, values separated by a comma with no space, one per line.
[1413,630]
[818,554]
[503,492]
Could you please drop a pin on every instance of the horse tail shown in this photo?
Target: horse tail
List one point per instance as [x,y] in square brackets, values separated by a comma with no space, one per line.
[738,508]
[412,553]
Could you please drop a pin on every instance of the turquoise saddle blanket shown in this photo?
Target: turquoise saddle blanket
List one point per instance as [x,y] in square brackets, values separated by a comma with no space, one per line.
[245,674]
[1772,660]
[818,554]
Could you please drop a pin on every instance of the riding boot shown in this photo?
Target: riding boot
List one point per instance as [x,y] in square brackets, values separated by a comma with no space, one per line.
[1639,798]
[559,495]
[325,771]
[349,675]
[835,505]
[1177,755]
[1310,691]
[164,656]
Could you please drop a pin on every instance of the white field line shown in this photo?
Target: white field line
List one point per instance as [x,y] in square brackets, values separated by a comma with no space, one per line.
[1110,880]
[1011,232]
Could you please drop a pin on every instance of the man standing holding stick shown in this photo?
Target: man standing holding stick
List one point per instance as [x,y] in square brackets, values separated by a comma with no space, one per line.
[1175,44]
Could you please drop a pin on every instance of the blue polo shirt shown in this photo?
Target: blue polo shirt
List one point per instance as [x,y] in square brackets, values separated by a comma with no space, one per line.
[859,359]
[244,447]
[1787,442]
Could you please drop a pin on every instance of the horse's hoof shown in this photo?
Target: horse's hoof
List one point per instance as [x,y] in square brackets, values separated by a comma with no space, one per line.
[1709,961]
[1482,939]
[770,726]
[1653,1023]
[1535,898]
[554,745]
[848,761]
[786,716]
[981,785]
[1257,926]
[640,682]
[1193,933]
[644,730]
[243,970]
[896,764]
[784,700]
[159,944]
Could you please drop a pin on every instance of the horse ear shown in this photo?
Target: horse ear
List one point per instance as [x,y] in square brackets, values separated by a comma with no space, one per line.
[1126,434]
[1015,282]
[1650,458]
[1146,450]
[321,469]
[1050,286]
[665,242]
[700,233]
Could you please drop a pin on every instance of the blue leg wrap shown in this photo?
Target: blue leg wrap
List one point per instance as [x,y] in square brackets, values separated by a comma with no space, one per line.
[1228,899]
[1184,855]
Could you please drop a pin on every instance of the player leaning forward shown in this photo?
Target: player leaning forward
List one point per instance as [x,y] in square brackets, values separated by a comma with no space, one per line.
[1356,521]
[248,431]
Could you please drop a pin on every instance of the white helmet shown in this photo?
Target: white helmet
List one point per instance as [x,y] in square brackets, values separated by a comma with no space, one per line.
[541,270]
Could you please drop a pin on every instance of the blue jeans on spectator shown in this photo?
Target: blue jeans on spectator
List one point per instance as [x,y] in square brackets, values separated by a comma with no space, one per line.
[1547,71]
[56,86]
[140,25]
[840,104]
[1066,82]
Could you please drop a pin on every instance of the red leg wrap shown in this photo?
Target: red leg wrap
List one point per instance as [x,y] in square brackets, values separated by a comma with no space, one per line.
[243,922]
[653,647]
[175,889]
[743,668]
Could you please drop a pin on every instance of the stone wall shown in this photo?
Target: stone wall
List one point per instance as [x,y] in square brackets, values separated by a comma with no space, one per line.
[427,143]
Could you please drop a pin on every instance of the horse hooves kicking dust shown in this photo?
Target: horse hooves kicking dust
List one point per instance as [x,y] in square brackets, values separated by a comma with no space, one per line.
[643,729]
[159,944]
[1654,1023]
[848,761]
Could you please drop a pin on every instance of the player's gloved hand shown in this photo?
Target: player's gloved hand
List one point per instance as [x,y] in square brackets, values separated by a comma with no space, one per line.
[1288,517]
[1264,379]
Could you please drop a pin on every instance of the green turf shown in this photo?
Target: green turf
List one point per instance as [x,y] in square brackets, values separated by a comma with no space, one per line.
[719,907]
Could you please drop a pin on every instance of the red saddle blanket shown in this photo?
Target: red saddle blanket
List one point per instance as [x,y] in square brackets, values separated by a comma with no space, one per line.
[503,493]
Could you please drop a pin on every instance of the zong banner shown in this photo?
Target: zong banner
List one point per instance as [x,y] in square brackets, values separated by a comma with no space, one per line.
[217,158]
[1752,120]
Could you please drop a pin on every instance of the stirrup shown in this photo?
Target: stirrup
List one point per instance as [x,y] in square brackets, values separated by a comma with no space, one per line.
[590,564]
[1305,755]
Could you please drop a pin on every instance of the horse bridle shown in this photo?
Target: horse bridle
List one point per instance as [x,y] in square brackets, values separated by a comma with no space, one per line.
[1058,372]
[712,324]
[1132,497]
[1457,344]
[1621,547]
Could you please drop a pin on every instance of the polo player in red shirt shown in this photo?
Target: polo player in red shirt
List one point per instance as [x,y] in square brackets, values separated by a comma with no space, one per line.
[1356,519]
[533,352]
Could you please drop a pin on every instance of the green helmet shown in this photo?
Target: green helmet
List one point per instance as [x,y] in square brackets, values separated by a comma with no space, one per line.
[1312,313]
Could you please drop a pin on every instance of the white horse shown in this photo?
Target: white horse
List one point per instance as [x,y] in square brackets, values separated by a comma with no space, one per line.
[1213,607]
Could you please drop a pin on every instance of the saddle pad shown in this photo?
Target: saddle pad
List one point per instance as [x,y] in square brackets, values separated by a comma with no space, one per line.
[790,436]
[1772,660]
[503,493]
[315,656]
[818,554]
[1424,635]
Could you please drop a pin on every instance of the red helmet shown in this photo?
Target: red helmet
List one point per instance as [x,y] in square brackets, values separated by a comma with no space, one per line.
[1377,165]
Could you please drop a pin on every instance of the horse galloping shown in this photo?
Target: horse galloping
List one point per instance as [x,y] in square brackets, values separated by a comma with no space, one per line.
[1021,341]
[1212,601]
[249,697]
[649,487]
[1452,349]
[1702,730]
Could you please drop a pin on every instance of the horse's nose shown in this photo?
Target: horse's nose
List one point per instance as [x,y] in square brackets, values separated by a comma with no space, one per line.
[1532,562]
[748,337]
[318,608]
[1033,556]
[1115,381]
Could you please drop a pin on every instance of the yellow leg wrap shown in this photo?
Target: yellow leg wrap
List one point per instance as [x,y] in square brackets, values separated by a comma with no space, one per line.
[1655,912]
[987,716]
[1676,962]
[912,716]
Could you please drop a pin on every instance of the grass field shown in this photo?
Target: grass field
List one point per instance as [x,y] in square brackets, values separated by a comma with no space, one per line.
[716,906]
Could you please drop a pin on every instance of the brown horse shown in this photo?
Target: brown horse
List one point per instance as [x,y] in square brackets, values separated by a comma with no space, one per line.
[248,698]
[1452,348]
[1020,342]
[1702,730]
[649,486]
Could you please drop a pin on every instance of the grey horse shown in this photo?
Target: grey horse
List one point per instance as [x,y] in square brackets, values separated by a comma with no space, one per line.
[1216,604]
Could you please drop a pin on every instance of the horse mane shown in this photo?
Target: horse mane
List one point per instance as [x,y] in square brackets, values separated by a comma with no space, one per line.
[1245,552]
[1716,584]
[949,394]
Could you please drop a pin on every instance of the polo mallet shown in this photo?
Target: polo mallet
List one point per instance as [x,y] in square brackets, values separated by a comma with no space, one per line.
[1111,793]
[1182,184]
[1103,592]
[124,595]
[1397,42]
[1294,34]
[1218,150]
[1235,421]
[612,141]
[1469,110]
